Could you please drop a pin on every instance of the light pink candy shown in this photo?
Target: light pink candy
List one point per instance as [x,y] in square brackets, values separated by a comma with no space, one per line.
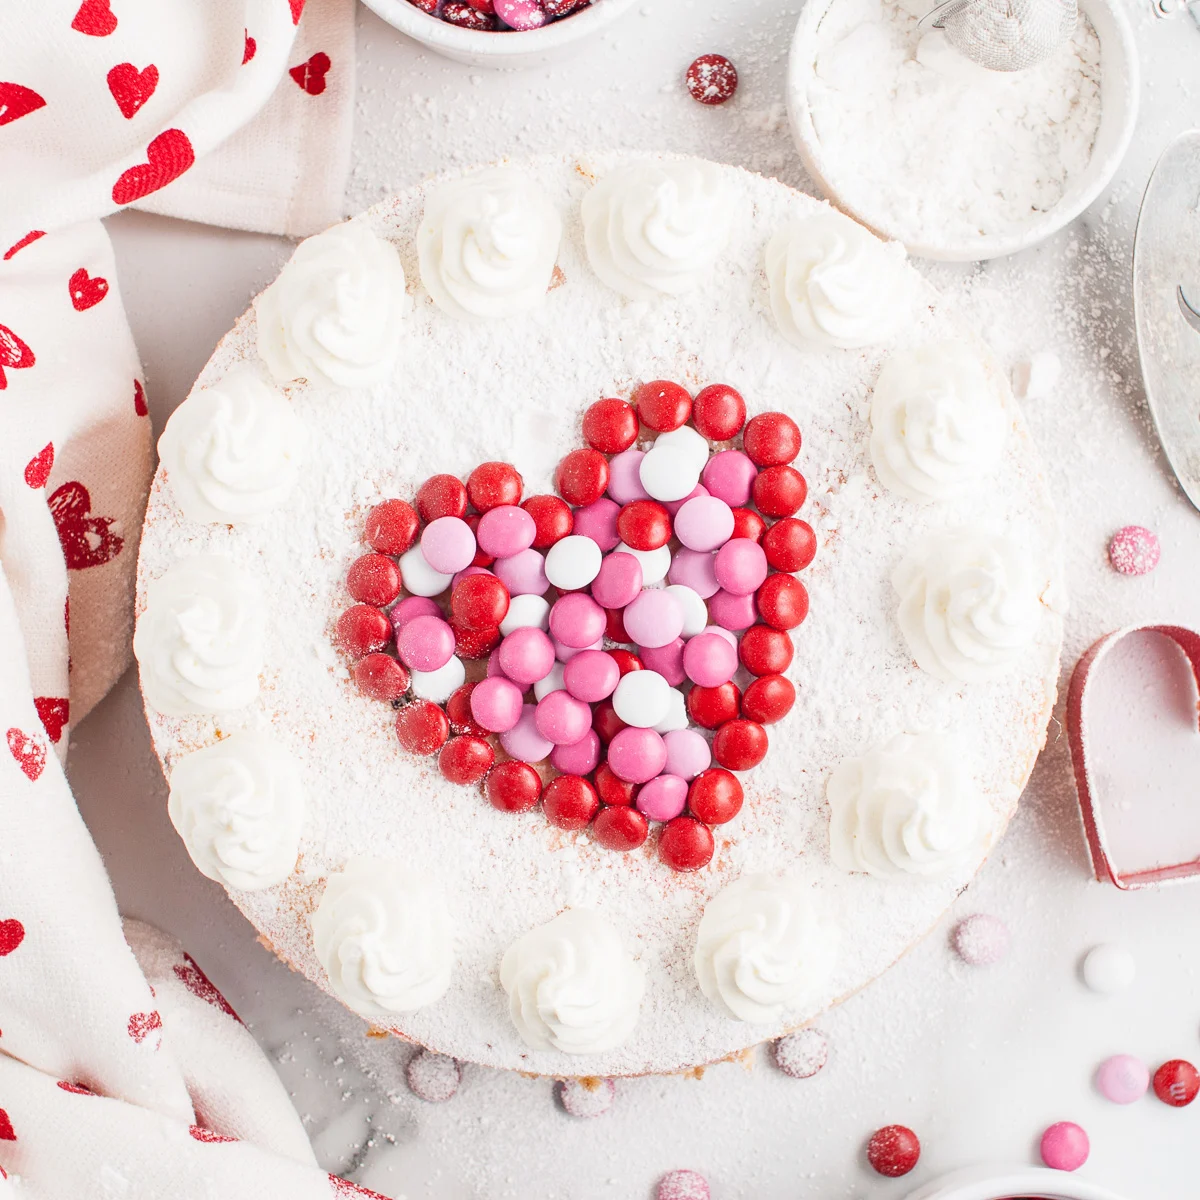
[709,660]
[673,506]
[565,653]
[654,618]
[666,660]
[619,580]
[741,566]
[663,798]
[688,753]
[577,620]
[591,676]
[562,719]
[1134,550]
[523,741]
[636,755]
[496,703]
[1122,1079]
[524,574]
[580,758]
[521,14]
[598,521]
[682,1185]
[466,573]
[526,655]
[505,530]
[705,523]
[729,475]
[624,477]
[448,544]
[732,612]
[426,643]
[694,569]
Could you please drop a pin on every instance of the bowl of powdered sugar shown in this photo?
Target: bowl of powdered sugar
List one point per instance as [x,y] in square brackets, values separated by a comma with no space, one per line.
[957,162]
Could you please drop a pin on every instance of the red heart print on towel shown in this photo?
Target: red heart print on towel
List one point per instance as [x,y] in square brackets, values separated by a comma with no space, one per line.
[16,100]
[55,712]
[142,1025]
[250,49]
[86,290]
[13,353]
[37,469]
[139,398]
[29,753]
[12,934]
[87,541]
[7,1133]
[31,236]
[95,18]
[194,979]
[206,1135]
[311,75]
[167,157]
[344,1188]
[297,8]
[130,87]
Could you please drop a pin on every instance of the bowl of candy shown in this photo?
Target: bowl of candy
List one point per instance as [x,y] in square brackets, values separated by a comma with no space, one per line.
[500,33]
[1020,1183]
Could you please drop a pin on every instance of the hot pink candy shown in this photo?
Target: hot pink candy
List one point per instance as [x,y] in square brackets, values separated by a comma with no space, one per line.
[526,655]
[496,704]
[426,643]
[591,676]
[562,719]
[505,530]
[666,660]
[577,620]
[1065,1146]
[709,660]
[619,580]
[598,521]
[741,566]
[663,798]
[729,475]
[409,609]
[521,14]
[579,758]
[637,755]
[732,612]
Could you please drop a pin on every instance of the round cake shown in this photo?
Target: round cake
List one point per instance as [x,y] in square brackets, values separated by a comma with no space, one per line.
[808,583]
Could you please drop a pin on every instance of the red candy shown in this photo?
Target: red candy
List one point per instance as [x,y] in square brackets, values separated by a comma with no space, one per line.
[614,790]
[458,709]
[621,828]
[765,651]
[893,1150]
[626,660]
[422,727]
[662,405]
[513,786]
[582,477]
[1176,1083]
[552,519]
[686,844]
[769,699]
[712,707]
[381,677]
[715,796]
[740,745]
[790,545]
[392,527]
[605,721]
[782,601]
[441,496]
[479,602]
[610,426]
[362,630]
[771,439]
[643,525]
[570,802]
[748,524]
[711,79]
[482,557]
[373,579]
[466,759]
[718,412]
[614,626]
[779,491]
[492,484]
[474,644]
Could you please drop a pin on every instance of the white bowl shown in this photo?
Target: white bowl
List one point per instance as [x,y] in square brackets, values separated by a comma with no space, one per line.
[1119,91]
[531,48]
[989,1183]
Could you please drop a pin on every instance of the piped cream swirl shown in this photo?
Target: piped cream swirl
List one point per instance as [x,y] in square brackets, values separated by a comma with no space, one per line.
[487,244]
[908,809]
[238,805]
[763,948]
[199,641]
[572,986]
[834,284]
[233,451]
[938,424]
[333,315]
[657,228]
[384,937]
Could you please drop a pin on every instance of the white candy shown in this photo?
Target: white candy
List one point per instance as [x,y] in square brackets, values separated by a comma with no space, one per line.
[573,562]
[550,683]
[691,442]
[526,612]
[677,717]
[441,684]
[420,579]
[695,611]
[642,699]
[720,631]
[669,472]
[655,563]
[1109,969]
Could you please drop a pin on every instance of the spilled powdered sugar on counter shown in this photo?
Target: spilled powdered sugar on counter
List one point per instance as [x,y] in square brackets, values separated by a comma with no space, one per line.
[921,141]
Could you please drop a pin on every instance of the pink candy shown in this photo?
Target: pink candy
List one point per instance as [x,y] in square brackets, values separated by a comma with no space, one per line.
[624,478]
[1065,1146]
[425,643]
[526,655]
[741,566]
[1134,550]
[1123,1079]
[730,476]
[521,14]
[666,660]
[663,798]
[523,741]
[682,1185]
[688,753]
[562,719]
[637,755]
[577,620]
[709,660]
[619,581]
[410,608]
[580,757]
[591,676]
[496,703]
[524,574]
[448,544]
[704,523]
[695,569]
[654,618]
[599,522]
[505,530]
[732,612]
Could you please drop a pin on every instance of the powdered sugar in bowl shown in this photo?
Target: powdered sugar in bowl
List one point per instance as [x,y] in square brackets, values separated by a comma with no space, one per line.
[956,162]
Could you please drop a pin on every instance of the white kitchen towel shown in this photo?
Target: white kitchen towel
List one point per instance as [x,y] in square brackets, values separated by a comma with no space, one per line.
[122,1071]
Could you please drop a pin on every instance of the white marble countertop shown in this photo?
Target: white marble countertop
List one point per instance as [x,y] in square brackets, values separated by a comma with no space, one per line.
[978,1062]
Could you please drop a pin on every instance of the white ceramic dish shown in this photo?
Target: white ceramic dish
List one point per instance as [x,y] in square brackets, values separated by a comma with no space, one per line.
[1119,92]
[991,1183]
[533,48]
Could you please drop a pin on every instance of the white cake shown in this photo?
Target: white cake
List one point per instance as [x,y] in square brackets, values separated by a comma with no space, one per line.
[934,613]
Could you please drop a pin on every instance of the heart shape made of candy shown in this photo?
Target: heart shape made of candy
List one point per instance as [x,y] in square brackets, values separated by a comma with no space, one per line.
[648,606]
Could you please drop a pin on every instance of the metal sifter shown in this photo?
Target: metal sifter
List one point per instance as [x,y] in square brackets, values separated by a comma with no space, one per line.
[1004,35]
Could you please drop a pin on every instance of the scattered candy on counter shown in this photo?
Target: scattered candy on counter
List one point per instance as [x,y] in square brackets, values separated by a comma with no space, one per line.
[980,939]
[711,79]
[1176,1083]
[893,1150]
[801,1054]
[1065,1146]
[587,1097]
[1134,550]
[500,16]
[1109,969]
[433,1077]
[1123,1079]
[683,1185]
[558,594]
